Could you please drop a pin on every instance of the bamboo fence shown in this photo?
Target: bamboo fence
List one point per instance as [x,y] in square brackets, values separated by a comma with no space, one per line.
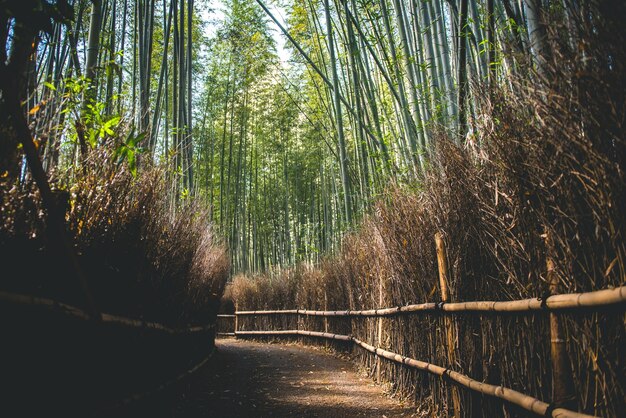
[224,323]
[78,313]
[573,301]
[105,318]
[526,402]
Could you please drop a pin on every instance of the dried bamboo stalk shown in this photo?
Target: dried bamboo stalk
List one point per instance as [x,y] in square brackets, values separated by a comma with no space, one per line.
[563,392]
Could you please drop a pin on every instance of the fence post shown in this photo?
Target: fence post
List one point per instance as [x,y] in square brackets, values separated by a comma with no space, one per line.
[445,297]
[236,319]
[326,343]
[325,308]
[379,329]
[563,393]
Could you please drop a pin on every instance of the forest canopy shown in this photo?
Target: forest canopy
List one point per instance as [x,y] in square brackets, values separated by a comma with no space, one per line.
[287,119]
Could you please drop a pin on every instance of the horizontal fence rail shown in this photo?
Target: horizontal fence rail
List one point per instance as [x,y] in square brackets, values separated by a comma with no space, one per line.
[327,335]
[78,313]
[569,301]
[526,402]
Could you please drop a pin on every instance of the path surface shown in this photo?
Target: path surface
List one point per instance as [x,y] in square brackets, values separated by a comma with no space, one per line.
[248,379]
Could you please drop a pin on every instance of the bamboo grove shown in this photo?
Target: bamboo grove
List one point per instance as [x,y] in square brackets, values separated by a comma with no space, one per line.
[286,152]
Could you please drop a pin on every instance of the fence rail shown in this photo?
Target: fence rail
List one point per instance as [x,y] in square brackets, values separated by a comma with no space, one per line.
[527,402]
[327,335]
[568,301]
[78,313]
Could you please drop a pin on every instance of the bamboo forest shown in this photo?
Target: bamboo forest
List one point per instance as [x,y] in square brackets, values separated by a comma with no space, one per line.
[312,208]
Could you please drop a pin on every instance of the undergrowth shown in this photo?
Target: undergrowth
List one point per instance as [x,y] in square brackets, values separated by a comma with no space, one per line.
[141,257]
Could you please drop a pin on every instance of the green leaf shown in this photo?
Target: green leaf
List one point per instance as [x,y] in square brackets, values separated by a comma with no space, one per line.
[132,163]
[132,142]
[93,139]
[108,126]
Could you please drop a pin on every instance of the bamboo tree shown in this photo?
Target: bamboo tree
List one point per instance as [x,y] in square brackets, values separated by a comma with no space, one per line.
[316,140]
[162,79]
[347,193]
[536,32]
[93,48]
[462,67]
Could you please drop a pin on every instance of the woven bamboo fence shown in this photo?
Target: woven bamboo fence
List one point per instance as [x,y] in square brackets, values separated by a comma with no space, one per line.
[591,300]
[348,324]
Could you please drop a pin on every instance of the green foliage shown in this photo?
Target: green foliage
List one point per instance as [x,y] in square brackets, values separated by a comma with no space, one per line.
[129,150]
[100,125]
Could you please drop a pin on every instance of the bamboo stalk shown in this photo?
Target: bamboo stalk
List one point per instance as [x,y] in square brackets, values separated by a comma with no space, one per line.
[379,331]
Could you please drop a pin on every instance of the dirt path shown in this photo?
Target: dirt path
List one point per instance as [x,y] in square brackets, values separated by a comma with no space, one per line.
[248,379]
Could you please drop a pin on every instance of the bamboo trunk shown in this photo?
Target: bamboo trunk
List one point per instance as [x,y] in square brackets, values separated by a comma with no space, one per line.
[462,69]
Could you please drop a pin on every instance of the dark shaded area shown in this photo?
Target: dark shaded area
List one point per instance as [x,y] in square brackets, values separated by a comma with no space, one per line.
[52,365]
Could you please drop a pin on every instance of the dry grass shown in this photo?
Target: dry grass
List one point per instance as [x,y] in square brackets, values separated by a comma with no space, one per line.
[548,157]
[141,259]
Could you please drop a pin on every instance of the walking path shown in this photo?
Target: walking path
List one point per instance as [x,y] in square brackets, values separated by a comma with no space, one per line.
[249,379]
